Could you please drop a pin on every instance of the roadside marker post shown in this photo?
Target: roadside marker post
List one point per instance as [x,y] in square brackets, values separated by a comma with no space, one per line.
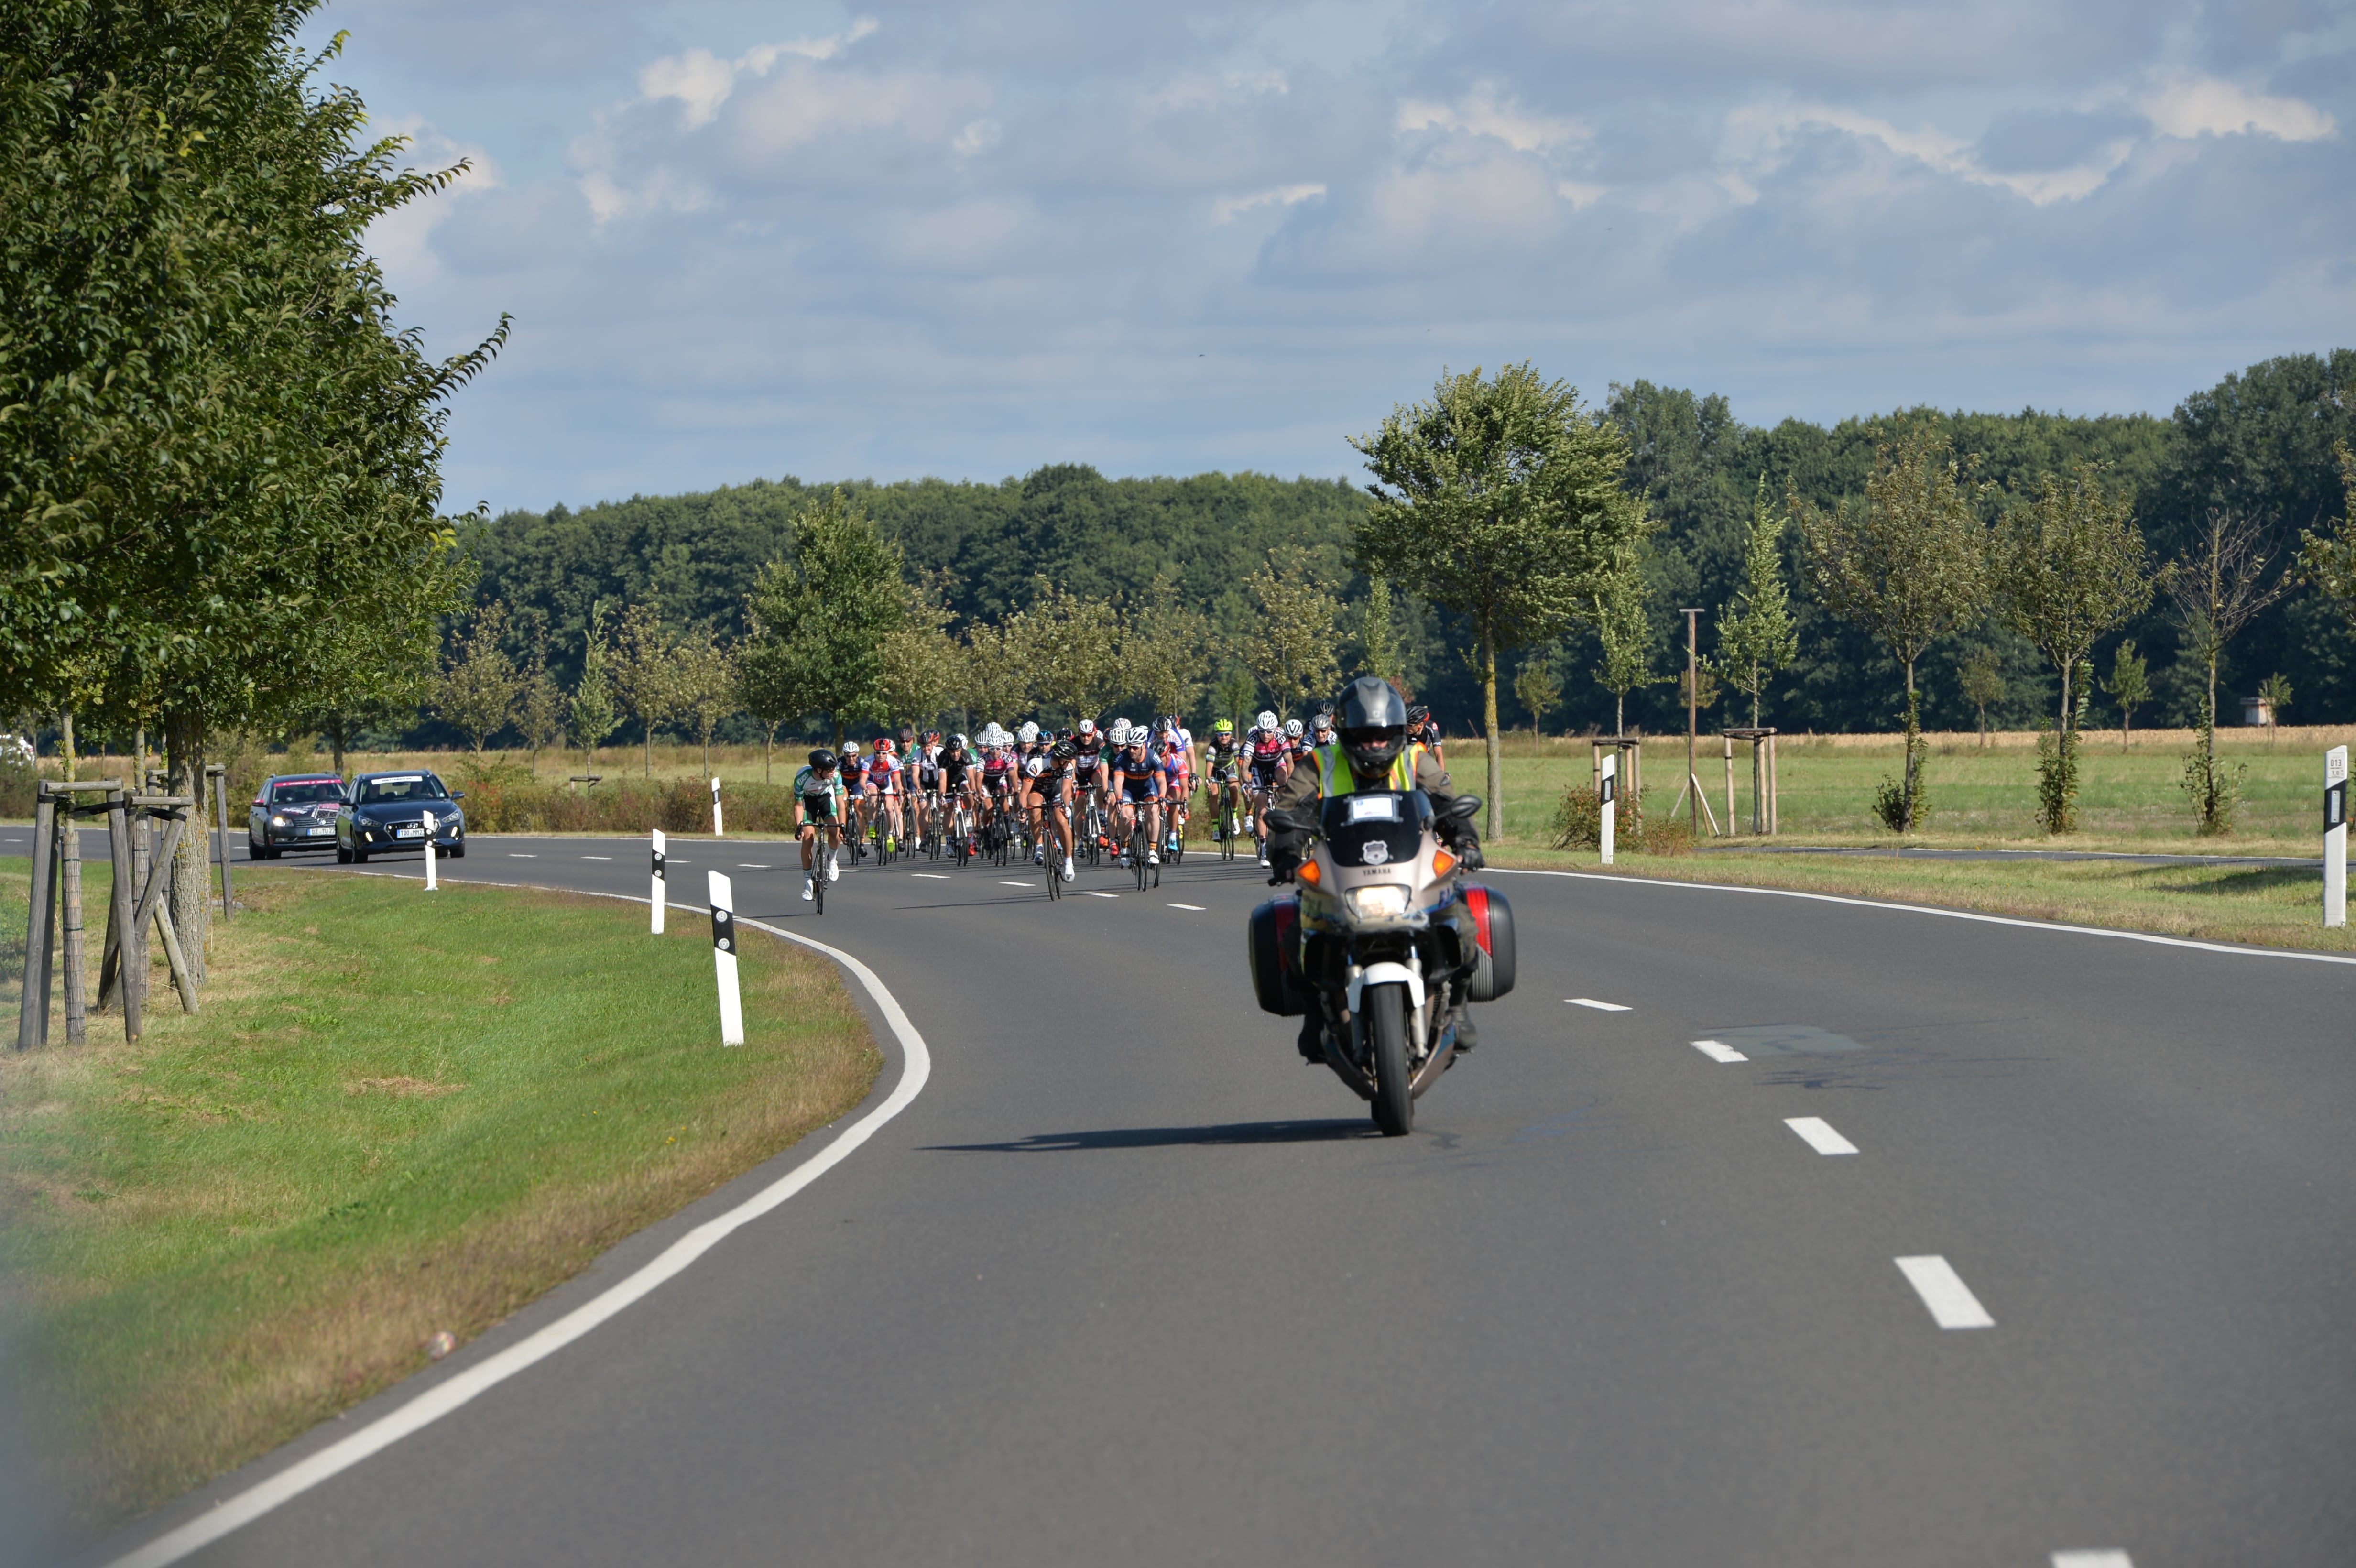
[1607,791]
[431,885]
[2335,836]
[657,901]
[723,960]
[715,808]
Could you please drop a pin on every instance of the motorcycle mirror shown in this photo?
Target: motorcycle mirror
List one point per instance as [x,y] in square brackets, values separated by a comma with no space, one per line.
[1283,821]
[1465,806]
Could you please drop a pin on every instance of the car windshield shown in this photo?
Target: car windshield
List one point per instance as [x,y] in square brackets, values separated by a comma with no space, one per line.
[400,787]
[306,792]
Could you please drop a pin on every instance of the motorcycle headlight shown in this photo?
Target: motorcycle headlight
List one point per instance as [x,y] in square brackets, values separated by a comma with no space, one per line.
[1385,901]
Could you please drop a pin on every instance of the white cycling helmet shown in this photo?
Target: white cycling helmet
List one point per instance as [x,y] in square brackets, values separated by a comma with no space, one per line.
[850,747]
[1267,721]
[1293,728]
[1029,732]
[1087,726]
[1120,734]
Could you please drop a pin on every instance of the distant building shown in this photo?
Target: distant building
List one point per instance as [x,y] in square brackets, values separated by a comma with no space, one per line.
[2257,710]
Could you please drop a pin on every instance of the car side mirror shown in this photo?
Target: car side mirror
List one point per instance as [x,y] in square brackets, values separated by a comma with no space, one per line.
[457,795]
[1464,808]
[1284,821]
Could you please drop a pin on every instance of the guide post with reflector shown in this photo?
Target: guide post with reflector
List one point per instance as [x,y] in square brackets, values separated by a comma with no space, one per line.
[1607,793]
[657,896]
[715,808]
[723,960]
[431,885]
[2335,836]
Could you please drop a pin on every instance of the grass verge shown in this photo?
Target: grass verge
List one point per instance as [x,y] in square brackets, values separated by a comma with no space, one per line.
[396,1117]
[2264,906]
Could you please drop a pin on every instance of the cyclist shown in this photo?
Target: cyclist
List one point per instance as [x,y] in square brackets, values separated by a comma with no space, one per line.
[1265,754]
[818,799]
[1321,726]
[1178,775]
[1222,767]
[1137,780]
[883,780]
[997,769]
[960,776]
[1047,800]
[926,761]
[1296,744]
[1424,729]
[854,782]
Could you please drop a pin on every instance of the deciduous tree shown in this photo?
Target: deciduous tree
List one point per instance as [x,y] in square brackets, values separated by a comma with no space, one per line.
[1755,634]
[2129,685]
[479,684]
[825,614]
[1295,646]
[2216,586]
[1981,677]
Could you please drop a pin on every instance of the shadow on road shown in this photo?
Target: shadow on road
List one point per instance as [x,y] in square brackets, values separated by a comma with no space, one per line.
[1171,1137]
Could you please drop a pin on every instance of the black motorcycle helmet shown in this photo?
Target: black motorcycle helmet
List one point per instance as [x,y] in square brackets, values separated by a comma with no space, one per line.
[1372,718]
[822,759]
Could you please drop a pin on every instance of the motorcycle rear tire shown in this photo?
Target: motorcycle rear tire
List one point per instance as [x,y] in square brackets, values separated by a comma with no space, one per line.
[1385,1026]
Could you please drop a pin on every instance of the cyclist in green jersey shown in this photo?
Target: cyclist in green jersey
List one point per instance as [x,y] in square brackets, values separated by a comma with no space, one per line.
[819,803]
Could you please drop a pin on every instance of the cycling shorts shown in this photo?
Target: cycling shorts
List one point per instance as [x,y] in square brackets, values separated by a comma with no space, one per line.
[1264,773]
[1138,790]
[818,806]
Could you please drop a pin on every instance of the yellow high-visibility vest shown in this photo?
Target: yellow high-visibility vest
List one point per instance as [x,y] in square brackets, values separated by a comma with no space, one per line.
[1335,777]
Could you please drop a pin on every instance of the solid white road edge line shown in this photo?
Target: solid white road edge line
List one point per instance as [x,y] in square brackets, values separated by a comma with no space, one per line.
[1818,1134]
[1942,1290]
[1949,913]
[1719,1051]
[1599,1007]
[443,1398]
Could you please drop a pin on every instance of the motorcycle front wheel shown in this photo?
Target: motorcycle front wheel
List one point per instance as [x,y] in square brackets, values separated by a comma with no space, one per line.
[1385,1026]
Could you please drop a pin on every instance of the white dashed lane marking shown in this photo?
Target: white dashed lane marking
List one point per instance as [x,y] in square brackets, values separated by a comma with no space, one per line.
[749,866]
[2100,1557]
[930,876]
[1007,884]
[1942,1290]
[1196,908]
[1818,1134]
[512,854]
[1094,894]
[1599,1007]
[1718,1051]
[597,856]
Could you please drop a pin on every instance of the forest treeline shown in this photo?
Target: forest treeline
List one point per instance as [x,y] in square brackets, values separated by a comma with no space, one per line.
[2259,443]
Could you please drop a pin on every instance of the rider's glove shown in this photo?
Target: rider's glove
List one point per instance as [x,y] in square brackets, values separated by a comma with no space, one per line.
[1468,855]
[1282,861]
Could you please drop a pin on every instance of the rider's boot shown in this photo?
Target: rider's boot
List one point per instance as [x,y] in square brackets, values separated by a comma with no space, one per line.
[1312,1040]
[1467,1036]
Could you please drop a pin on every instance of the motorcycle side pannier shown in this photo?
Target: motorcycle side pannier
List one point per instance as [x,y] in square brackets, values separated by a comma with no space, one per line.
[1274,938]
[1492,928]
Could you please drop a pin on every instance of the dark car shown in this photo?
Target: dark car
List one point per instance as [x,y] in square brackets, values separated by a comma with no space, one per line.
[387,811]
[293,811]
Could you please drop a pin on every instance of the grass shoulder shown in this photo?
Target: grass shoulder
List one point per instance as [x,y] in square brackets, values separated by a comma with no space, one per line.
[396,1117]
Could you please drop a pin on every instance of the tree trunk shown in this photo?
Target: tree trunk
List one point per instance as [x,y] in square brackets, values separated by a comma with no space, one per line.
[190,885]
[66,744]
[2209,741]
[1489,718]
[1912,726]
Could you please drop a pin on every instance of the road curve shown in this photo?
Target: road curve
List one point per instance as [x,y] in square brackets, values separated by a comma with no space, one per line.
[1128,1282]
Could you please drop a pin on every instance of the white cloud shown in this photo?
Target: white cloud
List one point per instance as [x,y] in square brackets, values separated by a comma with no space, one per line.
[1758,137]
[701,82]
[1228,209]
[2186,106]
[1487,112]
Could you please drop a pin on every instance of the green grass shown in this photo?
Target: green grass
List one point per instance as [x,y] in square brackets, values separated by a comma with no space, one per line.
[398,1115]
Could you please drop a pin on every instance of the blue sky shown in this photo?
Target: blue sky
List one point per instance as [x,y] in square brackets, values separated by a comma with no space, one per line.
[967,237]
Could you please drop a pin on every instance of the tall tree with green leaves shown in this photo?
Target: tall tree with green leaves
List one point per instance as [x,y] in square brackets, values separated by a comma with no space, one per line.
[539,706]
[2129,685]
[2328,560]
[705,669]
[1074,645]
[995,680]
[1907,564]
[2068,566]
[1165,646]
[826,611]
[645,672]
[1295,646]
[1539,690]
[593,716]
[1621,612]
[920,664]
[1235,693]
[1981,677]
[1499,500]
[2217,585]
[1756,636]
[1379,640]
[479,686]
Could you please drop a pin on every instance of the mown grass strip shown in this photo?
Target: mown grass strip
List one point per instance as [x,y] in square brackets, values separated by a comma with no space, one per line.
[399,1116]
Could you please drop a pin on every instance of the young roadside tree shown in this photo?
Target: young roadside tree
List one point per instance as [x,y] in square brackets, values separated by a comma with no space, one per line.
[2328,561]
[1235,694]
[2216,586]
[1622,618]
[920,664]
[1981,677]
[540,708]
[826,612]
[645,672]
[755,692]
[1539,690]
[2129,685]
[1499,500]
[1165,644]
[2274,692]
[1755,634]
[1379,640]
[593,716]
[996,675]
[705,669]
[478,688]
[1074,643]
[2069,565]
[1295,644]
[1908,564]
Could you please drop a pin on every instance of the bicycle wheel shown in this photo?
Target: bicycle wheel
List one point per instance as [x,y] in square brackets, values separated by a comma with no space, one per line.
[1138,839]
[818,883]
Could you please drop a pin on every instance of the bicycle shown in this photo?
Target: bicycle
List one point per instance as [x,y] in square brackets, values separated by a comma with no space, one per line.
[1140,844]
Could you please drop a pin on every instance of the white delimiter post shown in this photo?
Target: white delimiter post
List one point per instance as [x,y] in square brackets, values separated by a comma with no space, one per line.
[658,899]
[1607,791]
[715,808]
[723,959]
[431,885]
[2335,836]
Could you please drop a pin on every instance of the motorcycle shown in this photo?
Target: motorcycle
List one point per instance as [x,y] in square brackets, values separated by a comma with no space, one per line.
[1385,940]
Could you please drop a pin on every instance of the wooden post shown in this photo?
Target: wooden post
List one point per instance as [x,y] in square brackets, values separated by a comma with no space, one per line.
[1775,799]
[33,1006]
[70,867]
[218,776]
[122,905]
[1730,784]
[1693,714]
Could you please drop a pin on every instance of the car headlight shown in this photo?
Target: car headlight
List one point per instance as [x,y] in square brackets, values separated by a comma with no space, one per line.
[1385,901]
[276,821]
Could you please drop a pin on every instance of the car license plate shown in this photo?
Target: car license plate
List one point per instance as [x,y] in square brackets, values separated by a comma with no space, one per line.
[318,832]
[408,833]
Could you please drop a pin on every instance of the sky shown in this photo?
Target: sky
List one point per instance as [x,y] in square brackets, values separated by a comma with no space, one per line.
[967,238]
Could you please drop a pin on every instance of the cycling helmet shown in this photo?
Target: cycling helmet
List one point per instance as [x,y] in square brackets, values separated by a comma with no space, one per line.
[884,747]
[1063,734]
[1088,726]
[932,737]
[822,759]
[850,747]
[1065,752]
[1120,731]
[1267,721]
[1224,727]
[1374,724]
[1029,732]
[1293,728]
[960,740]
[1419,714]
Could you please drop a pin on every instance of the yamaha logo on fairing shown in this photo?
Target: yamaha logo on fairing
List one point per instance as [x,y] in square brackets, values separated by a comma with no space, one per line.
[1375,852]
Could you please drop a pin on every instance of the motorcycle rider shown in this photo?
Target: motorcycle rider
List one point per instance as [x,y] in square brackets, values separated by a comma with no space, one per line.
[1373,751]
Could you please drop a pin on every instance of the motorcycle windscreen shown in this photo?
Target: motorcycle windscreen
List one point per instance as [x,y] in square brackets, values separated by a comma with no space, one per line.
[1380,827]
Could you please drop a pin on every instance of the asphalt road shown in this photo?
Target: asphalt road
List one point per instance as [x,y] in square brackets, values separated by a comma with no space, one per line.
[1128,1282]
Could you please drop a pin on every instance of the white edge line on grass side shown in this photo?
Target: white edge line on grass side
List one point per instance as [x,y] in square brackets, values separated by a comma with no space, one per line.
[2224,947]
[442,1398]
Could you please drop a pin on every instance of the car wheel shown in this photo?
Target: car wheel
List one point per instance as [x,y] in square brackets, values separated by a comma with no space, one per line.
[254,851]
[457,851]
[359,856]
